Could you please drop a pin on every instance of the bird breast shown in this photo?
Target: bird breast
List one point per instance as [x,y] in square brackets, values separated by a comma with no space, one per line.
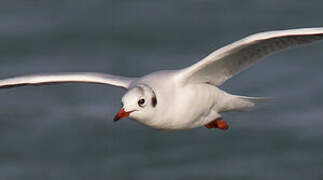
[186,107]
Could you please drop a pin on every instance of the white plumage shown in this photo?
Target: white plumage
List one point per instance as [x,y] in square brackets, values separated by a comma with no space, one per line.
[189,97]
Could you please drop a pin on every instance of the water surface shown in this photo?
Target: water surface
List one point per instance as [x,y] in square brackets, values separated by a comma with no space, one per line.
[66,131]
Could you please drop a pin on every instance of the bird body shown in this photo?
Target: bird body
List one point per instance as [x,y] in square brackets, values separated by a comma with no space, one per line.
[185,106]
[190,97]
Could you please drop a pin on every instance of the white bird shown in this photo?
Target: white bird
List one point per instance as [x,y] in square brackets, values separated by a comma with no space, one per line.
[187,98]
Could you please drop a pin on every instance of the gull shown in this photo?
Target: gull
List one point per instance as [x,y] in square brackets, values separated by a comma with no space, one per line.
[190,97]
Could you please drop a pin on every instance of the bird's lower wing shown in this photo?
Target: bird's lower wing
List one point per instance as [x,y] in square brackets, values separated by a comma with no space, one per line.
[84,77]
[226,62]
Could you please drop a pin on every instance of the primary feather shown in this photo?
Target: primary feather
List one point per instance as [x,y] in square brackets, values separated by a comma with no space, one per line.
[227,61]
[84,77]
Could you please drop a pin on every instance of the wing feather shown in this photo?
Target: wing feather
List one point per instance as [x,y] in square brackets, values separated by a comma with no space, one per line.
[227,61]
[83,77]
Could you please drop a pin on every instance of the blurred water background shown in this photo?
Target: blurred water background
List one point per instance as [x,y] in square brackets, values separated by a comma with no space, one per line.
[66,131]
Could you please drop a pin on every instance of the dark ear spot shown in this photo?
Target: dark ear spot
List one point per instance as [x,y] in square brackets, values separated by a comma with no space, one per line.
[154,101]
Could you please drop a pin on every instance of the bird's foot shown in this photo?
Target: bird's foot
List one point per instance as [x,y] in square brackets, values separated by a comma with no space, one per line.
[218,123]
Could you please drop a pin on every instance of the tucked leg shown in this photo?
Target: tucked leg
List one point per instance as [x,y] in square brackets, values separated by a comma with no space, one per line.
[218,123]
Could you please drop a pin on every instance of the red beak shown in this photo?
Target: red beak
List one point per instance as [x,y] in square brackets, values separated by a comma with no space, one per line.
[122,114]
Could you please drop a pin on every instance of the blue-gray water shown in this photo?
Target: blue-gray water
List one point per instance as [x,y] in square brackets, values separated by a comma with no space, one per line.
[66,131]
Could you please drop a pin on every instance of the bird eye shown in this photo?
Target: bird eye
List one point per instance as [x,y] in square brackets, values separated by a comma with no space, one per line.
[141,102]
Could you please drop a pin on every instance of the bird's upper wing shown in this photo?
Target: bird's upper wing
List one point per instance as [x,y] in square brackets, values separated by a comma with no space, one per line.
[229,60]
[83,77]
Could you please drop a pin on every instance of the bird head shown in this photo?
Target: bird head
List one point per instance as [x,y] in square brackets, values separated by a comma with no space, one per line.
[138,103]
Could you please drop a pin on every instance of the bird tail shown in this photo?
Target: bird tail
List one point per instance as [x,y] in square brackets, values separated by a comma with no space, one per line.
[244,103]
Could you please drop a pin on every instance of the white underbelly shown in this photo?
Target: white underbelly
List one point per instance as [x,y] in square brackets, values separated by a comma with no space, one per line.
[193,107]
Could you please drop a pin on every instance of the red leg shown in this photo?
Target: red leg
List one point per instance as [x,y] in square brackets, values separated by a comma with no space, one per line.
[218,123]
